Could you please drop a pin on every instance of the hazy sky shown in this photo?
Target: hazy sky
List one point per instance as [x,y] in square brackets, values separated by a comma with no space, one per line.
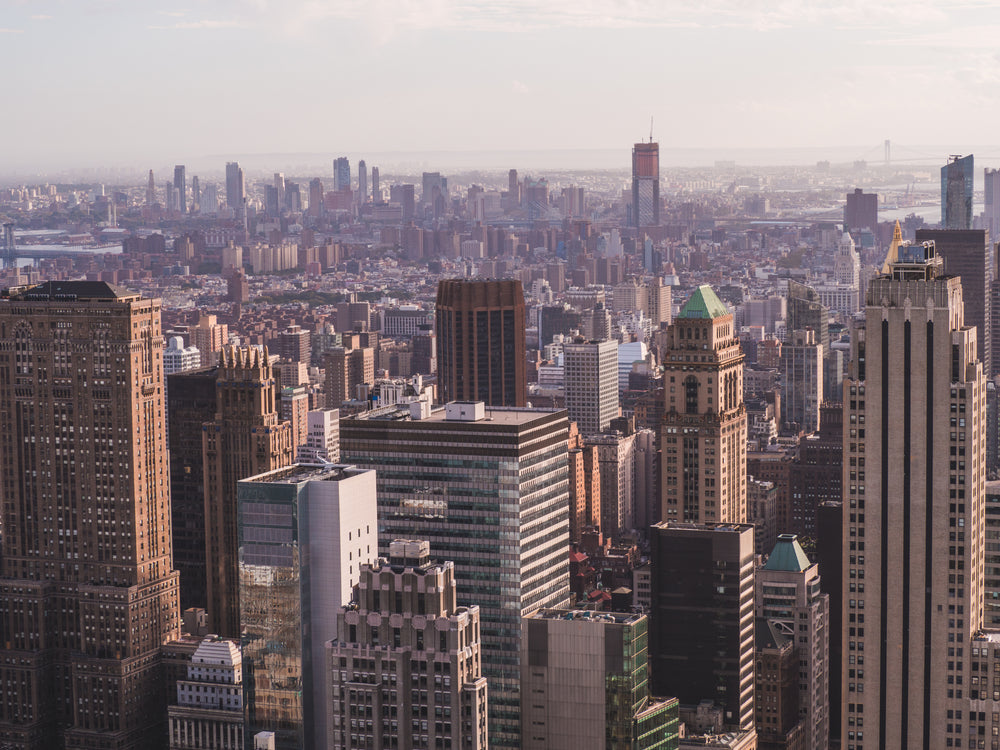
[95,81]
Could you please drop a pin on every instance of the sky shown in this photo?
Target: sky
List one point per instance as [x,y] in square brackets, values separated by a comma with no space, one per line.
[98,82]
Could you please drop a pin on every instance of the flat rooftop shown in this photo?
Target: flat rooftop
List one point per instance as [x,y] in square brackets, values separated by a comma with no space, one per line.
[500,415]
[621,618]
[298,473]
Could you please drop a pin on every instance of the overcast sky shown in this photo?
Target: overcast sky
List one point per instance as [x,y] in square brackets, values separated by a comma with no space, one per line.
[99,81]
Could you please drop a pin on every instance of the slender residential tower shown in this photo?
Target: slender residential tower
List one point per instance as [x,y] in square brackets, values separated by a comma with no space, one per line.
[914,493]
[87,593]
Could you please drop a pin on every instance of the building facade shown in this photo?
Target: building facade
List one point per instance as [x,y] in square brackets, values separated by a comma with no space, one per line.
[209,708]
[591,384]
[87,590]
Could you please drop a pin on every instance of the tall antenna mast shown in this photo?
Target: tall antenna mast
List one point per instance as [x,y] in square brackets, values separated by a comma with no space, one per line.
[650,128]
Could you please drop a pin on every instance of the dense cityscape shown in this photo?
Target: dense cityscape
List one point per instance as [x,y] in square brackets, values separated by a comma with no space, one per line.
[513,459]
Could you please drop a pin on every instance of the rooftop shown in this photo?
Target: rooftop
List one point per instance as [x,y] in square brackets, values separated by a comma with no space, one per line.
[787,555]
[502,415]
[704,303]
[70,290]
[299,473]
[621,618]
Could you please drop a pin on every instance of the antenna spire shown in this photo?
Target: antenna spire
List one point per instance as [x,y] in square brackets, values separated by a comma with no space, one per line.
[650,128]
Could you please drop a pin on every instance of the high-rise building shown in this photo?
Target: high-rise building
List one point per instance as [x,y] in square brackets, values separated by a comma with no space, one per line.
[481,345]
[659,300]
[341,173]
[178,358]
[969,254]
[802,380]
[645,184]
[914,405]
[790,600]
[210,337]
[806,310]
[87,590]
[991,584]
[195,194]
[701,630]
[190,401]
[180,185]
[376,187]
[616,470]
[584,485]
[304,533]
[703,442]
[362,182]
[991,209]
[405,629]
[861,211]
[315,197]
[489,491]
[209,708]
[322,444]
[591,384]
[346,369]
[585,684]
[235,189]
[815,475]
[847,264]
[150,190]
[245,438]
[956,193]
[209,203]
[404,195]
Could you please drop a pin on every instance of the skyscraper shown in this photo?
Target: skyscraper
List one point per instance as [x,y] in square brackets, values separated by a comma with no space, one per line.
[362,182]
[956,193]
[701,631]
[180,184]
[376,187]
[405,627]
[861,211]
[481,345]
[341,173]
[235,189]
[646,184]
[802,380]
[87,594]
[805,310]
[195,194]
[914,406]
[150,190]
[991,209]
[704,423]
[245,438]
[591,384]
[489,491]
[969,254]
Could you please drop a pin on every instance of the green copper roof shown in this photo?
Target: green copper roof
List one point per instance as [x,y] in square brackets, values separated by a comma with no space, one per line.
[704,303]
[787,555]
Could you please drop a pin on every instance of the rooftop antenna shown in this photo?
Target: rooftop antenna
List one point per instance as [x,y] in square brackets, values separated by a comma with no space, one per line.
[650,128]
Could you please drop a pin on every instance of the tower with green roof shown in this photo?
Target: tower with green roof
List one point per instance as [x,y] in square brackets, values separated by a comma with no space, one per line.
[704,425]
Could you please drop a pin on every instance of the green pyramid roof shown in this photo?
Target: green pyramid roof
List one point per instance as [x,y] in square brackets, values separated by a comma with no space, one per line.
[704,303]
[787,555]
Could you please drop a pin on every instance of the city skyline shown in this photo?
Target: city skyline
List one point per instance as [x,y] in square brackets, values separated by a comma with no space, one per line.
[845,59]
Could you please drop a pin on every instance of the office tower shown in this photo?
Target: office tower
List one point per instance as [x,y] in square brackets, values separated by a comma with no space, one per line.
[991,209]
[195,194]
[178,358]
[304,533]
[830,556]
[209,708]
[434,189]
[295,410]
[315,197]
[815,475]
[279,189]
[584,485]
[658,302]
[489,491]
[346,369]
[481,346]
[779,725]
[405,629]
[701,630]
[956,193]
[991,584]
[293,197]
[404,195]
[362,182]
[322,443]
[789,600]
[595,323]
[341,174]
[616,468]
[424,344]
[180,184]
[805,310]
[190,400]
[847,263]
[210,337]
[235,189]
[802,380]
[703,442]
[861,211]
[914,405]
[87,594]
[294,344]
[237,287]
[591,384]
[646,184]
[244,438]
[150,190]
[209,200]
[969,254]
[173,198]
[599,701]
